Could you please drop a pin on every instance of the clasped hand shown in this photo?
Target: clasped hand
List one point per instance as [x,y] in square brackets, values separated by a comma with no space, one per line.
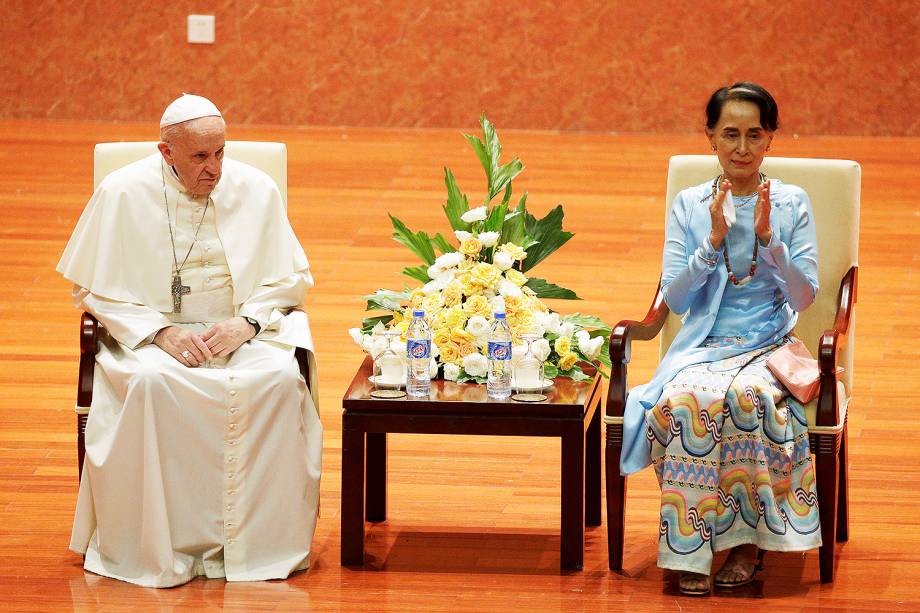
[761,215]
[220,340]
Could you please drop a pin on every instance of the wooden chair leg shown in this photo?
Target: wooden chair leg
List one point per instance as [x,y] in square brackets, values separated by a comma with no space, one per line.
[616,497]
[827,472]
[843,502]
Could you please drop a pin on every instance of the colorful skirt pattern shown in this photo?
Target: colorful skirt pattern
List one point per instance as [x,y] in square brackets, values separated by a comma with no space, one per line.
[730,448]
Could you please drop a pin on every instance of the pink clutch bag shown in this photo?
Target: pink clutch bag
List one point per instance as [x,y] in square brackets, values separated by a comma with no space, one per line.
[793,365]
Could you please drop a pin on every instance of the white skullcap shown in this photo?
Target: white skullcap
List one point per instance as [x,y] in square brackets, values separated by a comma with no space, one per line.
[186,108]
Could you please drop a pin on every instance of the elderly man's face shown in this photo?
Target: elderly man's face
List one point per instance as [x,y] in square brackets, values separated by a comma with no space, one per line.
[196,151]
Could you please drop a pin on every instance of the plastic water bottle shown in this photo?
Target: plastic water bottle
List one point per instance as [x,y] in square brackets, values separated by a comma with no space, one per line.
[499,385]
[418,349]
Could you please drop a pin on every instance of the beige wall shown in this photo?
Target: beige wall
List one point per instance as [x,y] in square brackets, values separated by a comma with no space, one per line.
[835,66]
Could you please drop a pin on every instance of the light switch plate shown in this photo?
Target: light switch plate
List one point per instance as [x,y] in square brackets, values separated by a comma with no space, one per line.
[201,29]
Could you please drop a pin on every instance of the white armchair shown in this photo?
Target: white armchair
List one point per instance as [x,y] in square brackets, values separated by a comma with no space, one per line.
[827,327]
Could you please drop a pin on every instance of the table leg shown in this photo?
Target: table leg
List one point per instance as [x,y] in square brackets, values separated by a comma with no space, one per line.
[352,495]
[593,471]
[376,476]
[572,538]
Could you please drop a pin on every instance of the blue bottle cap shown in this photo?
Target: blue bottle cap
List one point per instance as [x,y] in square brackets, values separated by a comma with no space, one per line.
[499,314]
[418,313]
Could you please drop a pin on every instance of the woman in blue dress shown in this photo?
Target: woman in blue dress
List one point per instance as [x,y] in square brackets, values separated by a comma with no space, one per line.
[728,442]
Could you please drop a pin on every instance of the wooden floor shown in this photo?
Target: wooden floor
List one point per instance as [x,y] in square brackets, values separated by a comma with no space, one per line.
[473,521]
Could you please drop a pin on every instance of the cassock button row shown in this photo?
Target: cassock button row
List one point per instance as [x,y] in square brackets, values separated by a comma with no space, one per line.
[234,410]
[229,507]
[231,475]
[233,392]
[231,458]
[233,426]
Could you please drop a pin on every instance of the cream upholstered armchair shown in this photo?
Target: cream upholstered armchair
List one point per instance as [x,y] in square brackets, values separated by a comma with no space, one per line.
[827,327]
[268,157]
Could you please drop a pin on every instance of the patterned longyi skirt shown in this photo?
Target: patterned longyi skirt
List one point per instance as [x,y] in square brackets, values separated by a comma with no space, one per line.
[730,448]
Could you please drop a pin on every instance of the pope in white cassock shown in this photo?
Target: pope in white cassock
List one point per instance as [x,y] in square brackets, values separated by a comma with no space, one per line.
[203,445]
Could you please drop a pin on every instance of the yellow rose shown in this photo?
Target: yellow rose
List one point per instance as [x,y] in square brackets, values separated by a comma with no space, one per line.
[450,352]
[513,250]
[465,265]
[513,304]
[416,298]
[537,305]
[515,276]
[567,361]
[471,246]
[441,336]
[455,317]
[486,274]
[466,349]
[460,336]
[451,294]
[402,327]
[397,317]
[469,285]
[563,346]
[432,302]
[477,305]
[524,317]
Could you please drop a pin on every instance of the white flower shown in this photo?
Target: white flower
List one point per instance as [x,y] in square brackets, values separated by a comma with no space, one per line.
[462,236]
[451,372]
[433,271]
[590,347]
[355,334]
[439,282]
[567,329]
[374,345]
[477,214]
[507,288]
[582,336]
[489,239]
[482,340]
[433,368]
[541,349]
[503,260]
[477,325]
[497,304]
[435,350]
[378,328]
[550,321]
[476,365]
[449,259]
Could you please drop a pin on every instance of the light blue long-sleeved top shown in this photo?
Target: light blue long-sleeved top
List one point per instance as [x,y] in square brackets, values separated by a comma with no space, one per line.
[695,284]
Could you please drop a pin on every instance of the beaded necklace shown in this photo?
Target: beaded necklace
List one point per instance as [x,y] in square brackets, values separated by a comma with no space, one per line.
[728,267]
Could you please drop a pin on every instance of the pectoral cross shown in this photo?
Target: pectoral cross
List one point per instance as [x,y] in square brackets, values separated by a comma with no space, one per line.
[177,290]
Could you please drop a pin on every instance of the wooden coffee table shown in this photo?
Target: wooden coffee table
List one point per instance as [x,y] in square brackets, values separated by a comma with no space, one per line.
[570,412]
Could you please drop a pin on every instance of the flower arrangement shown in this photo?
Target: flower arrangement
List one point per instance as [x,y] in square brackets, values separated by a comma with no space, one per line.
[486,270]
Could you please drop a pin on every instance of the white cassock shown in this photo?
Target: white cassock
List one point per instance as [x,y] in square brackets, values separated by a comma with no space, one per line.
[195,471]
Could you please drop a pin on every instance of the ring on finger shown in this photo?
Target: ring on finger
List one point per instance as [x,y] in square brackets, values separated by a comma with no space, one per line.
[186,354]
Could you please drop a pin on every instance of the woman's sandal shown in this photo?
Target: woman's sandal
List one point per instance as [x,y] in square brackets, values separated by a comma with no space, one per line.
[758,565]
[698,591]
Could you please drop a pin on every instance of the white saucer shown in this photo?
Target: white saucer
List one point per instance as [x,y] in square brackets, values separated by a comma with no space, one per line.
[547,383]
[373,379]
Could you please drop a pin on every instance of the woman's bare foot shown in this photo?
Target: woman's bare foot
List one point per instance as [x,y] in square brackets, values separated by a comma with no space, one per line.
[694,584]
[739,567]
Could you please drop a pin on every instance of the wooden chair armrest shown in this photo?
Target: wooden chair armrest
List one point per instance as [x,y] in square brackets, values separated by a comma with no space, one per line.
[832,341]
[621,338]
[89,344]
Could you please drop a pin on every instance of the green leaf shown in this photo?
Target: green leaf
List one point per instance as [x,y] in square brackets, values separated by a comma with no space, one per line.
[385,299]
[548,231]
[464,378]
[417,242]
[368,323]
[576,374]
[483,154]
[588,321]
[496,218]
[502,177]
[545,289]
[441,244]
[419,273]
[457,202]
[513,230]
[550,370]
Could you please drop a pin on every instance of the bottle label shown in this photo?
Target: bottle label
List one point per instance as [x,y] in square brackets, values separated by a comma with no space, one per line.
[417,349]
[499,350]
